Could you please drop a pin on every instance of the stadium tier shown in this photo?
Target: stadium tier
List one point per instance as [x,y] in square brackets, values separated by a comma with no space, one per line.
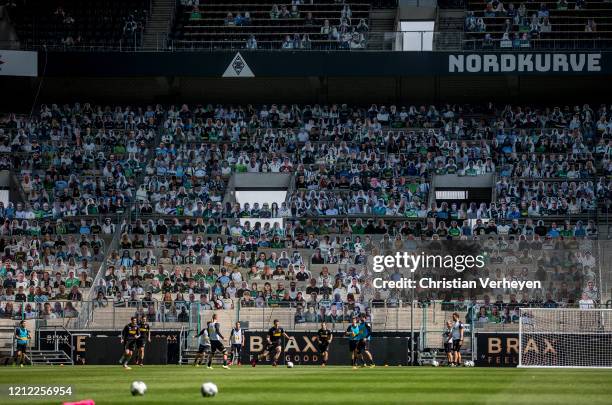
[177,233]
[540,25]
[74,23]
[359,185]
[257,25]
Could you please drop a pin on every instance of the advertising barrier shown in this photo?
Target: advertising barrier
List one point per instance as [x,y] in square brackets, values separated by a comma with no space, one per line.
[244,65]
[389,349]
[501,349]
[104,347]
[18,63]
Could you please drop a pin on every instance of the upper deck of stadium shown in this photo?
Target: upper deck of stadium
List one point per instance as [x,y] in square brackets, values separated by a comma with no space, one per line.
[355,25]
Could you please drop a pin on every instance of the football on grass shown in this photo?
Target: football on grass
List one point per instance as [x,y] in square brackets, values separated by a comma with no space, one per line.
[209,389]
[289,364]
[138,388]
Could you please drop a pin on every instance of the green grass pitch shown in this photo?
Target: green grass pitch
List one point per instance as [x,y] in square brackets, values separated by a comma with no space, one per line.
[315,385]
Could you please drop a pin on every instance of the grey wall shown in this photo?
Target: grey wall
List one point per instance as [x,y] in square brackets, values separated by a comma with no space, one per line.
[452,180]
[261,180]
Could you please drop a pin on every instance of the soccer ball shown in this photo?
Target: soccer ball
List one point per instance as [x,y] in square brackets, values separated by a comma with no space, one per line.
[209,389]
[435,363]
[138,388]
[289,364]
[468,363]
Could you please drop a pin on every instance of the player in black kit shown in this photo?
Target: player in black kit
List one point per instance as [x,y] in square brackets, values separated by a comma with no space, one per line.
[129,336]
[275,342]
[143,339]
[324,339]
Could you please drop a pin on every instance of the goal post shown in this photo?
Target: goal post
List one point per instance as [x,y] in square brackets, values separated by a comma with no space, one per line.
[565,337]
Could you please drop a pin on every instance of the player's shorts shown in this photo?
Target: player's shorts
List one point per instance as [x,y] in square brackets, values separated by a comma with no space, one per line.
[204,349]
[236,347]
[271,347]
[141,343]
[362,345]
[448,347]
[130,345]
[217,346]
[353,345]
[323,346]
[456,345]
[20,347]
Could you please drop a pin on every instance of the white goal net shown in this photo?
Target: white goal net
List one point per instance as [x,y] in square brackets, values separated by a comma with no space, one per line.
[565,337]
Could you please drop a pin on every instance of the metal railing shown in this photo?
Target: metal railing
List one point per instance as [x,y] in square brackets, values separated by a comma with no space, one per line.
[372,41]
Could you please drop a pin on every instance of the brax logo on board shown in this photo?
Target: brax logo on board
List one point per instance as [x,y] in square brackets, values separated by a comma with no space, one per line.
[238,68]
[524,62]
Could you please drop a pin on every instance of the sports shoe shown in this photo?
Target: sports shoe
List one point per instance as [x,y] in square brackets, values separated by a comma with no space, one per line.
[21,365]
[354,367]
[141,365]
[226,367]
[125,366]
[372,365]
[209,367]
[196,365]
[253,361]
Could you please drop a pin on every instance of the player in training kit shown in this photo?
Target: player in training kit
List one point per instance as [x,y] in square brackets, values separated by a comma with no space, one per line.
[216,342]
[457,335]
[275,342]
[324,339]
[447,339]
[129,336]
[144,337]
[22,337]
[363,349]
[237,342]
[203,346]
[352,332]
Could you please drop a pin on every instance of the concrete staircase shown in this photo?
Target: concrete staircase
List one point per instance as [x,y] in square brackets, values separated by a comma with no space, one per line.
[7,335]
[49,357]
[382,28]
[159,25]
[449,30]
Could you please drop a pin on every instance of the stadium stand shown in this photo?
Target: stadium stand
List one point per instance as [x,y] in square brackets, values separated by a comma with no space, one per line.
[537,25]
[255,25]
[127,207]
[73,24]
